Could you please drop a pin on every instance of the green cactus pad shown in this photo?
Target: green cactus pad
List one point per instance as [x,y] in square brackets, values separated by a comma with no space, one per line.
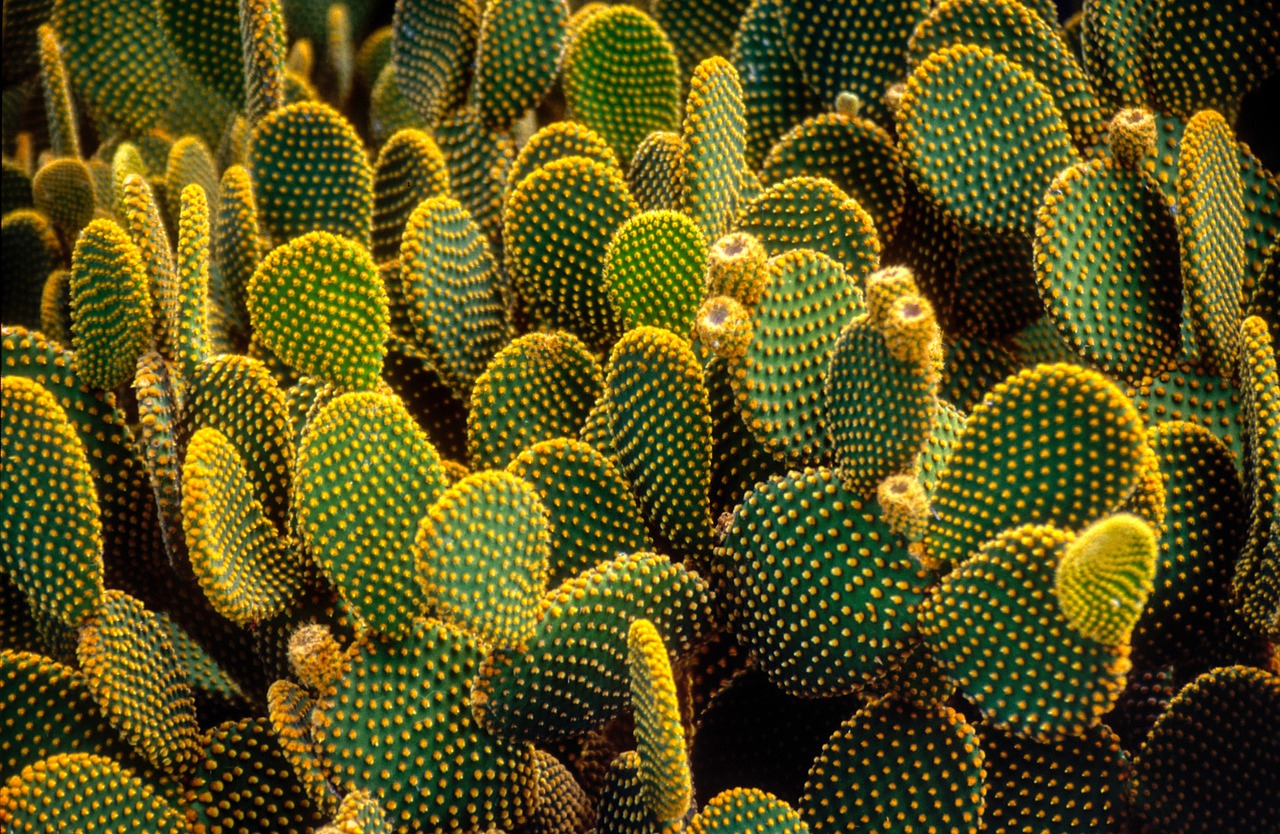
[537,388]
[654,271]
[246,571]
[893,765]
[738,460]
[63,192]
[1084,439]
[1104,577]
[621,78]
[310,174]
[948,428]
[699,31]
[189,162]
[824,592]
[318,302]
[478,158]
[1210,218]
[206,38]
[215,691]
[655,172]
[141,218]
[1208,765]
[359,813]
[1102,226]
[262,37]
[64,134]
[518,57]
[665,780]
[52,534]
[974,365]
[812,213]
[452,292]
[807,299]
[1256,584]
[237,245]
[557,141]
[563,806]
[589,505]
[131,669]
[744,810]
[366,475]
[1051,681]
[410,169]
[398,724]
[1111,35]
[16,190]
[191,315]
[660,421]
[85,793]
[572,677]
[431,43]
[985,169]
[110,306]
[621,807]
[557,228]
[32,250]
[289,707]
[1181,391]
[713,141]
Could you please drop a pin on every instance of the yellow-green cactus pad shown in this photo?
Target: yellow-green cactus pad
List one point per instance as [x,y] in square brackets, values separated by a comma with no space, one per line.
[713,140]
[262,37]
[1105,226]
[481,552]
[431,43]
[563,806]
[1110,50]
[131,669]
[539,387]
[311,174]
[1104,577]
[664,767]
[1257,581]
[1014,30]
[1181,391]
[572,677]
[289,707]
[110,305]
[478,158]
[656,168]
[359,813]
[812,213]
[140,216]
[1211,763]
[389,112]
[654,271]
[190,161]
[244,784]
[339,67]
[894,767]
[557,141]
[556,229]
[1051,681]
[318,302]
[948,427]
[747,811]
[191,325]
[621,77]
[807,300]
[63,192]
[52,534]
[84,793]
[1070,450]
[398,723]
[1210,215]
[237,244]
[452,295]
[823,592]
[366,475]
[410,169]
[855,154]
[32,252]
[987,157]
[64,134]
[246,570]
[660,421]
[1077,782]
[518,57]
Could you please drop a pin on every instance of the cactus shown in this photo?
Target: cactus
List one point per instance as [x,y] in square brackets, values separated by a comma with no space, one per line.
[713,167]
[517,57]
[656,169]
[654,269]
[110,306]
[665,781]
[30,238]
[559,140]
[410,168]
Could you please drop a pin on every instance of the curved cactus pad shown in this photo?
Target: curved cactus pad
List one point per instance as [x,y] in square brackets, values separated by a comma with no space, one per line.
[410,169]
[823,591]
[559,140]
[318,302]
[572,677]
[871,775]
[430,42]
[1052,681]
[1105,576]
[713,167]
[747,811]
[289,709]
[110,305]
[664,767]
[1257,579]
[397,723]
[517,57]
[366,475]
[654,270]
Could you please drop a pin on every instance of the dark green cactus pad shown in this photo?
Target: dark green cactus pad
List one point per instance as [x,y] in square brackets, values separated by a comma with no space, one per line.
[1078,782]
[64,133]
[589,505]
[479,158]
[189,162]
[359,813]
[1111,49]
[398,723]
[559,272]
[110,306]
[262,37]
[1087,440]
[699,31]
[191,314]
[1181,391]
[15,185]
[621,807]
[973,366]
[289,707]
[410,169]
[812,213]
[572,677]
[1208,766]
[244,784]
[656,168]
[713,168]
[63,192]
[665,780]
[654,270]
[237,244]
[621,78]
[539,387]
[1001,601]
[216,692]
[517,58]
[206,38]
[873,772]
[743,810]
[563,806]
[31,248]
[452,292]
[140,215]
[389,112]
[823,592]
[972,149]
[948,428]
[52,533]
[311,174]
[319,303]
[807,299]
[1256,585]
[366,475]
[85,793]
[431,43]
[738,460]
[1103,226]
[557,141]
[660,422]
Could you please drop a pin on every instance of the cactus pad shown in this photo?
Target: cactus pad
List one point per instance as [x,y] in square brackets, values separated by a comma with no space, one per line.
[654,270]
[1104,578]
[664,767]
[110,305]
[518,57]
[410,169]
[85,793]
[713,169]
